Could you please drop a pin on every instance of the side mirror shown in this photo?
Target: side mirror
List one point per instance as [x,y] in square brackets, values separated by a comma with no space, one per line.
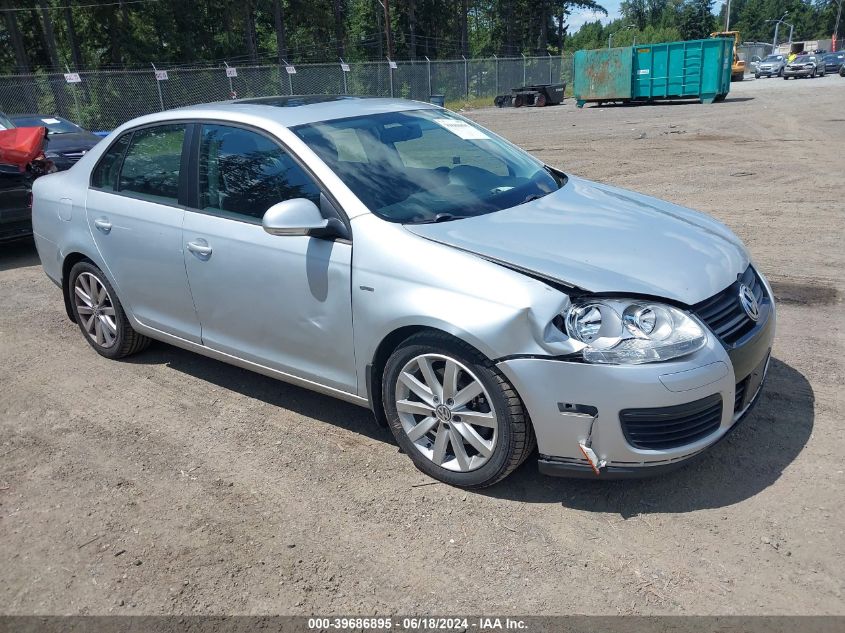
[298,216]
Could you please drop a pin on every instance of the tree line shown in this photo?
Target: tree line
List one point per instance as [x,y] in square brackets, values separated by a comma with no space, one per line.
[649,21]
[53,35]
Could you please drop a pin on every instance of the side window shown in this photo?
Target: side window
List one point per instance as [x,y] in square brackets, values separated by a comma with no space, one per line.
[242,174]
[105,174]
[151,166]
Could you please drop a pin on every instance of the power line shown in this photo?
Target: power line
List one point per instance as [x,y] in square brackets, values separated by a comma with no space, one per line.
[80,6]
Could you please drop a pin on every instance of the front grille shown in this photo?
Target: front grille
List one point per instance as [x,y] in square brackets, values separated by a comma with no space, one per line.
[723,312]
[669,427]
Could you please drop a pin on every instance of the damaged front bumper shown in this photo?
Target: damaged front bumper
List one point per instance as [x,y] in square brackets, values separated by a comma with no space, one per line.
[628,421]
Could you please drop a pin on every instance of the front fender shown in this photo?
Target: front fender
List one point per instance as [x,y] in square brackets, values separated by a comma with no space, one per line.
[400,279]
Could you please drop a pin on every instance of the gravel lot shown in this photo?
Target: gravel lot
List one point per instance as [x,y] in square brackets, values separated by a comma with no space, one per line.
[171,483]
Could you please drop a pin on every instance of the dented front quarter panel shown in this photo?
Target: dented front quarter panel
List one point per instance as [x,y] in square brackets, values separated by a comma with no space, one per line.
[499,311]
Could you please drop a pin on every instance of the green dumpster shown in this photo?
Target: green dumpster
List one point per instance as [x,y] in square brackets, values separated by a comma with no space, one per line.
[697,69]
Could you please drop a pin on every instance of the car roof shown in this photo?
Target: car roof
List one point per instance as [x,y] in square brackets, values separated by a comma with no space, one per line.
[295,110]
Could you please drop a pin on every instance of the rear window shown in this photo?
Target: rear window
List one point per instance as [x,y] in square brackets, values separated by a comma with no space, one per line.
[151,165]
[54,124]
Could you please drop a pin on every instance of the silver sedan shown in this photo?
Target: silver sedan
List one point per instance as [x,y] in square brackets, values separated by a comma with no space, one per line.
[400,257]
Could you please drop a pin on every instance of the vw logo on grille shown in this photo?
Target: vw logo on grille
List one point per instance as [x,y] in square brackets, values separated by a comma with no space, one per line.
[748,302]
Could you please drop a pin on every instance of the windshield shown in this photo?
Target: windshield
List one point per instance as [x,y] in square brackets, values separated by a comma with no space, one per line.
[54,124]
[774,58]
[802,58]
[5,124]
[427,165]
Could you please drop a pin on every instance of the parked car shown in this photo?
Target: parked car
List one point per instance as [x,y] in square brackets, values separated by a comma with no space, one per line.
[66,141]
[15,211]
[5,122]
[804,66]
[842,70]
[489,299]
[21,161]
[772,66]
[833,62]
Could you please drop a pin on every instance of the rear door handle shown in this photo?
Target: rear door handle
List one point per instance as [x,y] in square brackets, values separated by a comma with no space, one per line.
[200,247]
[102,225]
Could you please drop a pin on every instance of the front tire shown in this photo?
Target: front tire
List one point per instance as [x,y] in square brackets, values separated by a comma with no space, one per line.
[100,315]
[453,412]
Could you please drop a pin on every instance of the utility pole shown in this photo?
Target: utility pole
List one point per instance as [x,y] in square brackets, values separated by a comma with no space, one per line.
[836,28]
[777,25]
[728,16]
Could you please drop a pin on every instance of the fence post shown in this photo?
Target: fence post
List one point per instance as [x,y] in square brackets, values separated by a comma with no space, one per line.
[75,101]
[231,87]
[497,74]
[390,73]
[428,67]
[466,78]
[290,81]
[158,85]
[550,68]
[524,80]
[343,72]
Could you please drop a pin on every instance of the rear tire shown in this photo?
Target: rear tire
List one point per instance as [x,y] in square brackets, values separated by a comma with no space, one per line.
[100,315]
[470,441]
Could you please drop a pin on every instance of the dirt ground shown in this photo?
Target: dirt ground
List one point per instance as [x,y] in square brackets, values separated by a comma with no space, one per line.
[171,483]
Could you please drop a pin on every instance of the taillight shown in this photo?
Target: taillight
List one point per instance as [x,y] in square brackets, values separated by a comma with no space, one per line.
[30,200]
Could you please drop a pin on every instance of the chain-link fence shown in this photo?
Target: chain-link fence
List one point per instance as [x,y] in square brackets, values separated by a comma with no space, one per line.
[102,100]
[753,52]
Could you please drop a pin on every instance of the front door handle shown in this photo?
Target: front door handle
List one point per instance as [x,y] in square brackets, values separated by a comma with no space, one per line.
[200,247]
[102,225]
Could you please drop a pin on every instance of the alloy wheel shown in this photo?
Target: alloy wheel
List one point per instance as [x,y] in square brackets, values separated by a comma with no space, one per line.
[95,309]
[446,412]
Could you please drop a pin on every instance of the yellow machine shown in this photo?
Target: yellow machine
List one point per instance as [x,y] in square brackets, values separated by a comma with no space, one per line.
[738,66]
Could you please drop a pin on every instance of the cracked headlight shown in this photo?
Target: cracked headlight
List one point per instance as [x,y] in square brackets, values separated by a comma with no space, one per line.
[631,331]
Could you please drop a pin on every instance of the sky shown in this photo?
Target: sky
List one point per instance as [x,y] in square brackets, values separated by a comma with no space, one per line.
[579,18]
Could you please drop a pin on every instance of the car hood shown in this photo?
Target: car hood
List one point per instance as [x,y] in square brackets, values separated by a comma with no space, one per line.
[604,239]
[75,141]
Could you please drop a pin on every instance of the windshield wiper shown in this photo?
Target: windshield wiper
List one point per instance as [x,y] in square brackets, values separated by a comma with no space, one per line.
[440,217]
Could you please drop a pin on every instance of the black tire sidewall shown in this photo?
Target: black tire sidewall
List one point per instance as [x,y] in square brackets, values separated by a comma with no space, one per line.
[120,320]
[489,472]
